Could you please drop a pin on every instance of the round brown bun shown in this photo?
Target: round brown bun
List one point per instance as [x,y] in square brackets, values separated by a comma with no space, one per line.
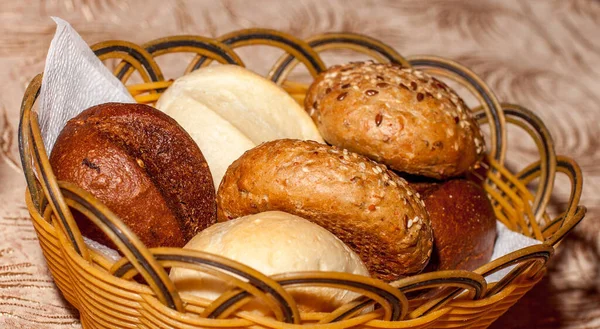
[274,242]
[143,166]
[368,207]
[464,225]
[402,117]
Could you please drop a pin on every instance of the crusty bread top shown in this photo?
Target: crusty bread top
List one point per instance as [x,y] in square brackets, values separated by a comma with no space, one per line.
[399,116]
[364,204]
[136,160]
[464,225]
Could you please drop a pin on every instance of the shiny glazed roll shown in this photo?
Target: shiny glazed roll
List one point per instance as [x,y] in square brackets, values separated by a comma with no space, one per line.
[142,165]
[463,222]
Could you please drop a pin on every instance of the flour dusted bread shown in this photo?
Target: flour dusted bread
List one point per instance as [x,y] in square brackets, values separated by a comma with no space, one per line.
[367,206]
[274,242]
[143,166]
[228,109]
[402,117]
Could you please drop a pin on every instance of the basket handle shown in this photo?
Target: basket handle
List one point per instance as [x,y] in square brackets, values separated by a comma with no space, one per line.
[533,125]
[257,285]
[480,89]
[202,46]
[358,42]
[473,282]
[393,301]
[31,94]
[33,156]
[292,45]
[574,213]
[523,258]
[133,55]
[125,240]
[143,60]
[536,128]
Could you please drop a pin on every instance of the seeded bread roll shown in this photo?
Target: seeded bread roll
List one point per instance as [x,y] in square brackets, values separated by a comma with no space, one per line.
[142,165]
[402,117]
[368,207]
[274,242]
[464,225]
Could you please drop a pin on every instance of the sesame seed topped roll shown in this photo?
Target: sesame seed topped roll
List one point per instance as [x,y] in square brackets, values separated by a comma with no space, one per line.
[402,117]
[367,206]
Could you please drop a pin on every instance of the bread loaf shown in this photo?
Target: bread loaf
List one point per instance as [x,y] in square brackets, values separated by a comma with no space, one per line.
[398,116]
[272,243]
[143,166]
[228,109]
[464,225]
[368,207]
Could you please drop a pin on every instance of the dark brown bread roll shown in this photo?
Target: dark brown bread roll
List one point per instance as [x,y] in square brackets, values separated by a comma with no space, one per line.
[464,225]
[402,117]
[368,207]
[143,166]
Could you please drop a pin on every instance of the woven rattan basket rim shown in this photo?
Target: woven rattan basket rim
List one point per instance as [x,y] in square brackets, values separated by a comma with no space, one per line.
[49,202]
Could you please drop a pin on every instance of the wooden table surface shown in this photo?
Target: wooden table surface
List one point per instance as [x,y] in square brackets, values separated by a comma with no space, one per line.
[544,55]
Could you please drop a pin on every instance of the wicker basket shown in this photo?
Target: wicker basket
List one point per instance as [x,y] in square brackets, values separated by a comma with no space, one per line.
[107,296]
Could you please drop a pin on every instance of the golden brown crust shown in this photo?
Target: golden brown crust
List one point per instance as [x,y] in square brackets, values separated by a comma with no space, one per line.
[367,206]
[143,166]
[398,116]
[464,225]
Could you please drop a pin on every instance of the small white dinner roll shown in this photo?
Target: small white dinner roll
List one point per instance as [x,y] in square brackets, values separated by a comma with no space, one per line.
[228,110]
[274,242]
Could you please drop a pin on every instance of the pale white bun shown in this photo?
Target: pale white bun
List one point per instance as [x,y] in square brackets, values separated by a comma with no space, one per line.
[228,109]
[274,242]
[220,142]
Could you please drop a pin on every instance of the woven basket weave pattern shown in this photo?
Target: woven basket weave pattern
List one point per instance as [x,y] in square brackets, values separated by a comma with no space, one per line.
[107,297]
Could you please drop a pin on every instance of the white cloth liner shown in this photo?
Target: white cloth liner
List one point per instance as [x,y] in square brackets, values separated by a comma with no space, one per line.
[75,79]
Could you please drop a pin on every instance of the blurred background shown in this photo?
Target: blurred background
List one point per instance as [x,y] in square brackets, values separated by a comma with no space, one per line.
[543,54]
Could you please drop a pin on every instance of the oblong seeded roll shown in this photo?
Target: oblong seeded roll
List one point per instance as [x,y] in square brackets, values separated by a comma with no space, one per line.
[368,207]
[398,116]
[142,165]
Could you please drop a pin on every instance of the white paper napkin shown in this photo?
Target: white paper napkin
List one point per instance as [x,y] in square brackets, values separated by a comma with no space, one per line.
[508,241]
[74,79]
